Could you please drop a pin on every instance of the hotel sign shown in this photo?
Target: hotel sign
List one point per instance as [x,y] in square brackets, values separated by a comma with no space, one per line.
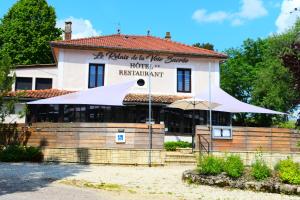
[139,57]
[137,63]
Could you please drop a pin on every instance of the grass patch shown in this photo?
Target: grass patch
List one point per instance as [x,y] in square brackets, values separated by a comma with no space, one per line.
[171,146]
[87,184]
[131,191]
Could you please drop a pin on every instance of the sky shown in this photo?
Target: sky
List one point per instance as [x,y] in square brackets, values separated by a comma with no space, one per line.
[223,23]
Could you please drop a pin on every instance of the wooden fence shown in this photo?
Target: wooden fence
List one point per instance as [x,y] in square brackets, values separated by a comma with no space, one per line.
[85,135]
[252,139]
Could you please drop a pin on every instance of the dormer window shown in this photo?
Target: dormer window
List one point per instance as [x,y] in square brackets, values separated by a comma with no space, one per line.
[23,83]
[43,83]
[96,75]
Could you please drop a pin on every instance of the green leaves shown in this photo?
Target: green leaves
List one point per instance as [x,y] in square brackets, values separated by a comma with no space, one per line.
[26,30]
[6,81]
[255,73]
[233,166]
[289,171]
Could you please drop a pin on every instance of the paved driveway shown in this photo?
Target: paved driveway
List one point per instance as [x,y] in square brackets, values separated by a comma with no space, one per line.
[43,181]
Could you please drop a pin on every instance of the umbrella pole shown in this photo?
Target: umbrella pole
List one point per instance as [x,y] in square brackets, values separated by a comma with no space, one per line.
[193,130]
[210,112]
[149,115]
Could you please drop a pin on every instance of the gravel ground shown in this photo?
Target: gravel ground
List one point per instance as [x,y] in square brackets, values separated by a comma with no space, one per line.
[24,180]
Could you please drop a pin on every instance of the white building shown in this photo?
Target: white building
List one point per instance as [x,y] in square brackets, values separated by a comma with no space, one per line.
[178,70]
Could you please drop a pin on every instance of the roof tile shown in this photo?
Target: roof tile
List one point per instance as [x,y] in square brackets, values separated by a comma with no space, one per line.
[137,42]
[134,98]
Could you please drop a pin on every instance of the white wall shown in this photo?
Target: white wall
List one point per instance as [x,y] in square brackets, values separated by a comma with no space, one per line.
[38,72]
[73,71]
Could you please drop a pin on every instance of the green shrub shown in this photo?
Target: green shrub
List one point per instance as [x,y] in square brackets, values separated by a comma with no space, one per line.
[210,165]
[34,154]
[171,146]
[288,171]
[288,124]
[260,170]
[17,153]
[234,166]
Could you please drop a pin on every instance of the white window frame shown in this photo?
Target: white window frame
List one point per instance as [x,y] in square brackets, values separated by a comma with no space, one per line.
[218,131]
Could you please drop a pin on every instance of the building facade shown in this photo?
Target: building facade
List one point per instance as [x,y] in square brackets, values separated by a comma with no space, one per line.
[177,71]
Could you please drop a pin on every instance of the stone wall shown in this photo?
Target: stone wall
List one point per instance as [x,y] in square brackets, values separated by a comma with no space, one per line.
[104,156]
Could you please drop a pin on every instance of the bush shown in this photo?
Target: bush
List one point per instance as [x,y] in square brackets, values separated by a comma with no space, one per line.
[171,146]
[210,165]
[288,171]
[260,170]
[234,166]
[16,153]
[288,124]
[34,154]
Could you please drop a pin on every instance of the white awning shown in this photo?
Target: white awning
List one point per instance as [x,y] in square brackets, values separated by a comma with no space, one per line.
[231,104]
[112,95]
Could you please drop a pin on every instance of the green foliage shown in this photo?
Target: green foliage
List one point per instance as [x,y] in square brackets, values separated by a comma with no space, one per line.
[287,124]
[18,153]
[234,166]
[289,171]
[207,45]
[25,32]
[171,146]
[273,89]
[210,165]
[260,170]
[256,73]
[6,81]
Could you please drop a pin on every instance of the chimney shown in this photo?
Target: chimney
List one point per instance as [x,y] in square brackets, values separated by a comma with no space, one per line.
[68,30]
[168,36]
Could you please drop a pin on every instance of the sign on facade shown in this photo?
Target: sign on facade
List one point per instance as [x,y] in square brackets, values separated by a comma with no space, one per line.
[120,137]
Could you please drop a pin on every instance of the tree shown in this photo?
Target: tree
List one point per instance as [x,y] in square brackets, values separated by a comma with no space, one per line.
[207,45]
[274,89]
[25,32]
[240,71]
[6,81]
[255,73]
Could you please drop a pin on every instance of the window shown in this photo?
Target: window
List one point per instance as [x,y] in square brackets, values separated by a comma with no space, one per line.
[183,80]
[96,75]
[23,83]
[43,83]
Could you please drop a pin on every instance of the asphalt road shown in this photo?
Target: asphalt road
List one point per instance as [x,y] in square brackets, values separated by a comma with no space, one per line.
[19,181]
[60,192]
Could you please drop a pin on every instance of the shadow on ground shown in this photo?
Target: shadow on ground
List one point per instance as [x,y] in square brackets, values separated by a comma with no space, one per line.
[24,177]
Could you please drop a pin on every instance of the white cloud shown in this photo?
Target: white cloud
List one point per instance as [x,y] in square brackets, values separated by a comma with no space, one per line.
[202,16]
[287,17]
[249,10]
[81,28]
[252,9]
[237,22]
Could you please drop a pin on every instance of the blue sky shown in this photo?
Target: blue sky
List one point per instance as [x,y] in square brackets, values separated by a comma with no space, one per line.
[224,23]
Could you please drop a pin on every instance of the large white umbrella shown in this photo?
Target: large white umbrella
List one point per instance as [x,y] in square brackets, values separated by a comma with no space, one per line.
[193,104]
[230,104]
[112,95]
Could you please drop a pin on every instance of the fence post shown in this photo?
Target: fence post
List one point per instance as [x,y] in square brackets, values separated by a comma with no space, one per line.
[271,142]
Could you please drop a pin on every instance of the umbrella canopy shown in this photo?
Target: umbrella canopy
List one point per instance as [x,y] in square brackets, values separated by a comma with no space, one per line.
[193,104]
[231,104]
[112,95]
